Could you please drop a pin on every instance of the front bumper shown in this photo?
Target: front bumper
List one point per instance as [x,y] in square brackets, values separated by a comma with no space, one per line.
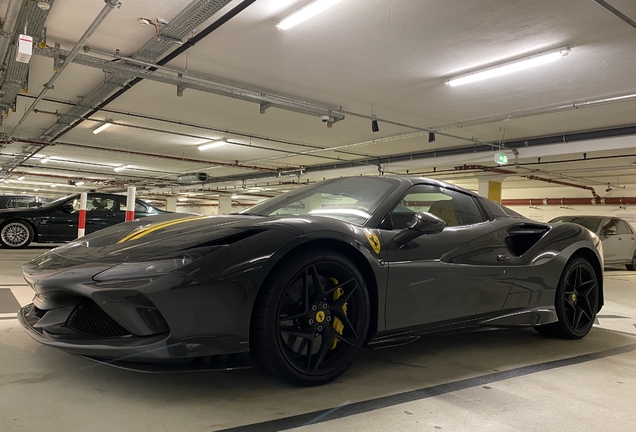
[53,328]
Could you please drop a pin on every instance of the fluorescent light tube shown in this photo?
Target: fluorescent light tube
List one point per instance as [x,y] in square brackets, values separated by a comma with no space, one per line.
[79,183]
[305,13]
[21,177]
[102,127]
[527,62]
[45,159]
[120,168]
[211,145]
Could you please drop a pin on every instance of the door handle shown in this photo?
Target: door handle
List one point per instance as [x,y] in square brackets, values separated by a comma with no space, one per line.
[503,258]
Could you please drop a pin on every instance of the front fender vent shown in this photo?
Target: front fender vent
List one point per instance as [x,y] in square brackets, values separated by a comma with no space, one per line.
[521,238]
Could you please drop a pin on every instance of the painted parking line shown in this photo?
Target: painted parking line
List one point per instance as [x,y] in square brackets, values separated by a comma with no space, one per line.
[8,302]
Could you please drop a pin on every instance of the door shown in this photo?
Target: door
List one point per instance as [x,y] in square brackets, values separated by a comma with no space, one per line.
[102,211]
[61,224]
[627,239]
[466,270]
[612,242]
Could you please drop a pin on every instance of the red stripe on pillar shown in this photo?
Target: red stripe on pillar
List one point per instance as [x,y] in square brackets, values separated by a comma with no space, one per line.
[130,215]
[82,219]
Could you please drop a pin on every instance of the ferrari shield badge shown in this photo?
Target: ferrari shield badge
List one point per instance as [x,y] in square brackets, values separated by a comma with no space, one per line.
[374,241]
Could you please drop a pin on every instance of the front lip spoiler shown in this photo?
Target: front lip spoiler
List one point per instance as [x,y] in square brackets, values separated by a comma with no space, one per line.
[220,363]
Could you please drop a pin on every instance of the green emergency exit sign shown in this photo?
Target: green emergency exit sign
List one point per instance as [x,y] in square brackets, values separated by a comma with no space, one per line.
[501,158]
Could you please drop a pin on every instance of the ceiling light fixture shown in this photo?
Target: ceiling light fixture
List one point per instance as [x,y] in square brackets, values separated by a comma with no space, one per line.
[21,177]
[79,183]
[211,145]
[305,13]
[234,196]
[102,127]
[45,159]
[120,168]
[519,64]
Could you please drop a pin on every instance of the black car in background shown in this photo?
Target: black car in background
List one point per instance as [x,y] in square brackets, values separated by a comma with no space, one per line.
[57,222]
[21,201]
[617,237]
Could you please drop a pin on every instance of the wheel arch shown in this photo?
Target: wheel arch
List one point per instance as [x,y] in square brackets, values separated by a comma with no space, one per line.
[592,258]
[350,252]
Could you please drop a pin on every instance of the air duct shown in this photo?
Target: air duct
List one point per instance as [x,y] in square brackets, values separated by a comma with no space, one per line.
[191,178]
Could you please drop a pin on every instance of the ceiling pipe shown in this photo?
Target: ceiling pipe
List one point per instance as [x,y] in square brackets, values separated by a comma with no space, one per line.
[110,5]
[530,177]
[135,153]
[183,48]
[616,12]
[570,201]
[8,27]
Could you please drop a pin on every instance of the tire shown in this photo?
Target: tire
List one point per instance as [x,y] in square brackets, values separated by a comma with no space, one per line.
[16,234]
[576,301]
[296,333]
[632,266]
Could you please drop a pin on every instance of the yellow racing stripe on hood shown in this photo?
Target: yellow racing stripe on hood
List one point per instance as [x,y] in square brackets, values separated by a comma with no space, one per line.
[151,228]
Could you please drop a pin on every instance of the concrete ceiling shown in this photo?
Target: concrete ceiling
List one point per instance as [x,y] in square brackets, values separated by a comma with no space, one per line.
[390,56]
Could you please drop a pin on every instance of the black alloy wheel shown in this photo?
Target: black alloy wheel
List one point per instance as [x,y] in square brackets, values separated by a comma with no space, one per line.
[311,319]
[576,302]
[16,234]
[632,266]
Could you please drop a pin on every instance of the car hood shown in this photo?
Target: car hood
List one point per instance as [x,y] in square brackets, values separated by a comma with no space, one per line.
[157,236]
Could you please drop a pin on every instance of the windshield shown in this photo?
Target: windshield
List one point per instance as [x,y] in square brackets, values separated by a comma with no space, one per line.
[590,223]
[352,199]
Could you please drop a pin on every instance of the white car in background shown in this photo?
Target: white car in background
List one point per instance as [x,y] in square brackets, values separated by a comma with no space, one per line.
[617,236]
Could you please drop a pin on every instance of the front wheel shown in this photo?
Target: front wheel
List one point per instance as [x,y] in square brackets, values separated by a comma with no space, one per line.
[16,234]
[311,318]
[576,302]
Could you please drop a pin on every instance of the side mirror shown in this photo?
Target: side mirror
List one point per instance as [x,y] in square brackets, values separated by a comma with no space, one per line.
[422,223]
[67,208]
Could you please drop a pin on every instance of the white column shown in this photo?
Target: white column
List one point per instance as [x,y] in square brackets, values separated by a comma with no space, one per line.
[171,204]
[130,203]
[225,204]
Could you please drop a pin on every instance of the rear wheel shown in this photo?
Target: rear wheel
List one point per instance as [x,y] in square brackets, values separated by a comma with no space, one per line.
[16,234]
[576,301]
[311,318]
[632,266]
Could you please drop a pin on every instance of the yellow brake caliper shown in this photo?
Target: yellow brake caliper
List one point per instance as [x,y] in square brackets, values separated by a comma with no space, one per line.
[337,324]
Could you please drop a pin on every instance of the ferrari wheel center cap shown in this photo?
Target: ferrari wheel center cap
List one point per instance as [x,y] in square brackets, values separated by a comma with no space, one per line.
[320,316]
[573,297]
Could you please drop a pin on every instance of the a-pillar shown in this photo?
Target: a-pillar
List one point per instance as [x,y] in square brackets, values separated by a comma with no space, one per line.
[171,204]
[225,204]
[490,188]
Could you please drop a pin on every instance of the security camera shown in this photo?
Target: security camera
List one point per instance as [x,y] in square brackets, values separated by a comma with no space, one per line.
[609,189]
[324,118]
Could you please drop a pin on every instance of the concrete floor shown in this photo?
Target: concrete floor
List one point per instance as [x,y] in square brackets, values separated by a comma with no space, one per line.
[504,380]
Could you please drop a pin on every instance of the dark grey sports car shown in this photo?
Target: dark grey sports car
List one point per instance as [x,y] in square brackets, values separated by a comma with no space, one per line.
[304,280]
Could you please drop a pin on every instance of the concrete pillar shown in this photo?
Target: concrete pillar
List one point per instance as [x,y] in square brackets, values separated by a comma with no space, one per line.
[225,204]
[171,204]
[490,189]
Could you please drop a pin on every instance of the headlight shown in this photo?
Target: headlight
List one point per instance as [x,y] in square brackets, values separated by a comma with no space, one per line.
[149,269]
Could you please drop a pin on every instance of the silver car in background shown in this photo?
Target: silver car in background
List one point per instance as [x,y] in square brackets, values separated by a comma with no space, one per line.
[617,236]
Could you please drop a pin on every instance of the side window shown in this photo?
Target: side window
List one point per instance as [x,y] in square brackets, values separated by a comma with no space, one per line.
[11,203]
[98,203]
[454,208]
[140,208]
[609,227]
[623,228]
